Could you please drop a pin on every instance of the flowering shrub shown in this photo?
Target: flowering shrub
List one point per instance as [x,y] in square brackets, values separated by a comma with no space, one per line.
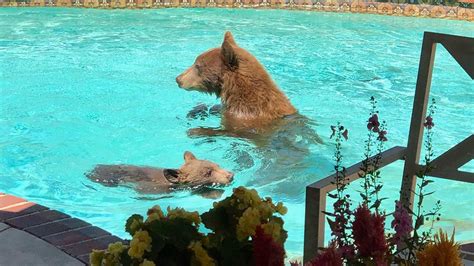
[244,230]
[359,236]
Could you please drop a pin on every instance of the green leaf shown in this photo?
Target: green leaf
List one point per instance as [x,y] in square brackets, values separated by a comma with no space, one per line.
[178,232]
[133,224]
[426,182]
[328,213]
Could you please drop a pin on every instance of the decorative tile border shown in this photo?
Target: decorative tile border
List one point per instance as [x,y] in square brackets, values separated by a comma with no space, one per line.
[71,235]
[354,6]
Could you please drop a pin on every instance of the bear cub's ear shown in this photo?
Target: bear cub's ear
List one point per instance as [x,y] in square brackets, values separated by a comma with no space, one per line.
[189,156]
[228,51]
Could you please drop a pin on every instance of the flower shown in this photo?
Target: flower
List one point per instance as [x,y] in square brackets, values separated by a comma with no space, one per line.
[373,123]
[281,209]
[140,243]
[273,229]
[329,257]
[147,263]
[154,213]
[381,135]
[266,252]
[181,213]
[244,198]
[248,223]
[402,223]
[369,234]
[200,254]
[96,257]
[116,248]
[429,122]
[442,251]
[134,223]
[295,263]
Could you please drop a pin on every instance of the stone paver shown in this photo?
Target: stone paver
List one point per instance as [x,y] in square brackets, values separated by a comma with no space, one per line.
[3,226]
[25,249]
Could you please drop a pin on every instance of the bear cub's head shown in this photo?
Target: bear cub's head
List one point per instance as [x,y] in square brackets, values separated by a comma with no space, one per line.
[197,172]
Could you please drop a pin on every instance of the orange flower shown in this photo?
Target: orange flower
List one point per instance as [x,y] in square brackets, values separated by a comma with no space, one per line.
[442,251]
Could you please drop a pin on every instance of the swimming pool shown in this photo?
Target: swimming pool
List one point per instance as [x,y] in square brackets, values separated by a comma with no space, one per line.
[81,87]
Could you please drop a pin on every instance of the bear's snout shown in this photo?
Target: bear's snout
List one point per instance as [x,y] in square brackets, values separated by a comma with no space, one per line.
[179,81]
[230,176]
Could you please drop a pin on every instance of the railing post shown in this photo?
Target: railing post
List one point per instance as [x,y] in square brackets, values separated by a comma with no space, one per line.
[314,221]
[415,137]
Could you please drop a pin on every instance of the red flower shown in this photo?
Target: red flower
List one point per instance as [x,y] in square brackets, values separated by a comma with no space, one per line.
[381,136]
[329,257]
[369,235]
[429,122]
[373,124]
[266,252]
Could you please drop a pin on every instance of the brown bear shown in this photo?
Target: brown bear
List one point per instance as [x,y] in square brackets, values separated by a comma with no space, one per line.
[250,99]
[194,173]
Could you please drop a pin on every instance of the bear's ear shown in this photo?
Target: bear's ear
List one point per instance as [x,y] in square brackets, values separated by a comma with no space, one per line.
[228,37]
[189,156]
[228,51]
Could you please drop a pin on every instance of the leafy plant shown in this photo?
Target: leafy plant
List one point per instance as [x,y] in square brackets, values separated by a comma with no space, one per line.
[242,226]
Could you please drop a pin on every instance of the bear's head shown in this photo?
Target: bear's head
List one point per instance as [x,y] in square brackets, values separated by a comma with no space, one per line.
[195,172]
[209,70]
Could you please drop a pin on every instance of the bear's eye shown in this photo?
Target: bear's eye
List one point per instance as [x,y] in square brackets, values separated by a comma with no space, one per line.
[208,172]
[199,69]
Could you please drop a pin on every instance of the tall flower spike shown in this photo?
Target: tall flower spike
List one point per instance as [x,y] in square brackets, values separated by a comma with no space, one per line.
[373,124]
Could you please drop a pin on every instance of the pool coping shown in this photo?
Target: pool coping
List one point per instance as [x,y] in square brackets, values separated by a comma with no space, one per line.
[339,6]
[72,236]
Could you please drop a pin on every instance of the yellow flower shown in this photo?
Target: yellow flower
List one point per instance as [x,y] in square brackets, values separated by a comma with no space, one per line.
[181,213]
[201,258]
[273,229]
[442,251]
[147,263]
[248,223]
[140,243]
[245,198]
[135,225]
[153,217]
[110,260]
[116,248]
[96,257]
[281,209]
[154,213]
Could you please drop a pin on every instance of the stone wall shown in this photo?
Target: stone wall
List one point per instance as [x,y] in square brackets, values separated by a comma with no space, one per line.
[461,10]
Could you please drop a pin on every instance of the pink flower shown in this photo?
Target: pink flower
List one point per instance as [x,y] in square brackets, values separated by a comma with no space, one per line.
[402,223]
[266,252]
[373,124]
[429,122]
[382,136]
[329,257]
[369,235]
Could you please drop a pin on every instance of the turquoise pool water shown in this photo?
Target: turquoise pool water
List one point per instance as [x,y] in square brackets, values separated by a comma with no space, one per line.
[80,87]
